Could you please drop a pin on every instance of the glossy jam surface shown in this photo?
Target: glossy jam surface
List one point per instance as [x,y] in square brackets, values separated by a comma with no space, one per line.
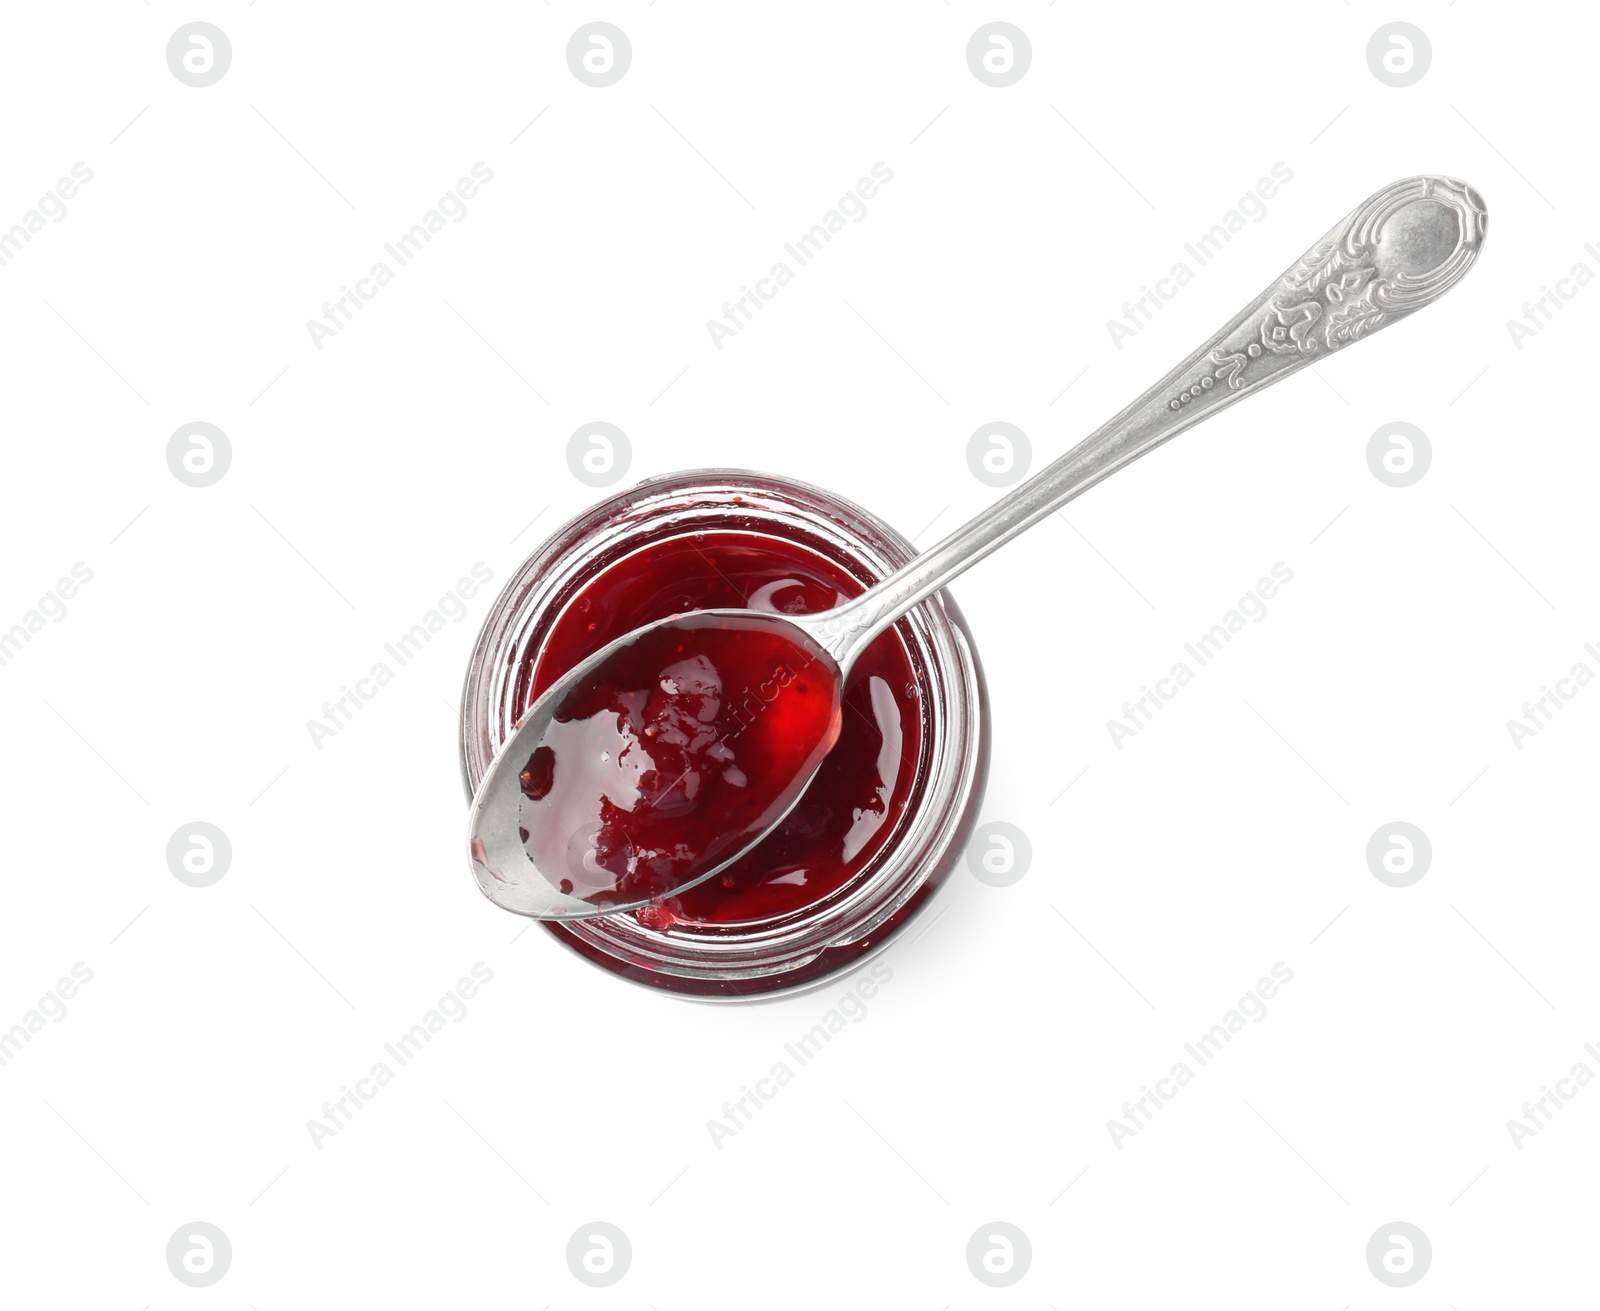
[864,783]
[674,752]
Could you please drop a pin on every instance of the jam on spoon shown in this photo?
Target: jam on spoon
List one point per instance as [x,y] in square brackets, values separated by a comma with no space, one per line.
[680,747]
[619,835]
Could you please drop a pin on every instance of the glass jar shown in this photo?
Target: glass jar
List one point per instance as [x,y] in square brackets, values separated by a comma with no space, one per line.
[896,873]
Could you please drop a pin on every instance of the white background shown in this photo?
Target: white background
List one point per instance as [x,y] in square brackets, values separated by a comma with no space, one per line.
[369,475]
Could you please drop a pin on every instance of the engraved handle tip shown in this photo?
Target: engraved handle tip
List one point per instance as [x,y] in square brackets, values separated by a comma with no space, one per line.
[1424,234]
[1406,246]
[1401,249]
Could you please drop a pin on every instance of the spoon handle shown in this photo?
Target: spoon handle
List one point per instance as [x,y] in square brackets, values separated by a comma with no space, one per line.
[1389,257]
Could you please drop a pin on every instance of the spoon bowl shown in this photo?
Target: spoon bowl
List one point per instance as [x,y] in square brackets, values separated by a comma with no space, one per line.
[655,763]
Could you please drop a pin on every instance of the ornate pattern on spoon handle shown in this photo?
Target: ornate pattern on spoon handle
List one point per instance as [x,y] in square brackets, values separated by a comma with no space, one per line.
[1342,289]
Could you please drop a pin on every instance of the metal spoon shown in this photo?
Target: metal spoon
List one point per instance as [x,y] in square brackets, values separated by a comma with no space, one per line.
[1392,255]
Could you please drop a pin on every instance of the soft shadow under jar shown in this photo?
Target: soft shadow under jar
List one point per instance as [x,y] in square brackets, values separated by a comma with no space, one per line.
[886,819]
